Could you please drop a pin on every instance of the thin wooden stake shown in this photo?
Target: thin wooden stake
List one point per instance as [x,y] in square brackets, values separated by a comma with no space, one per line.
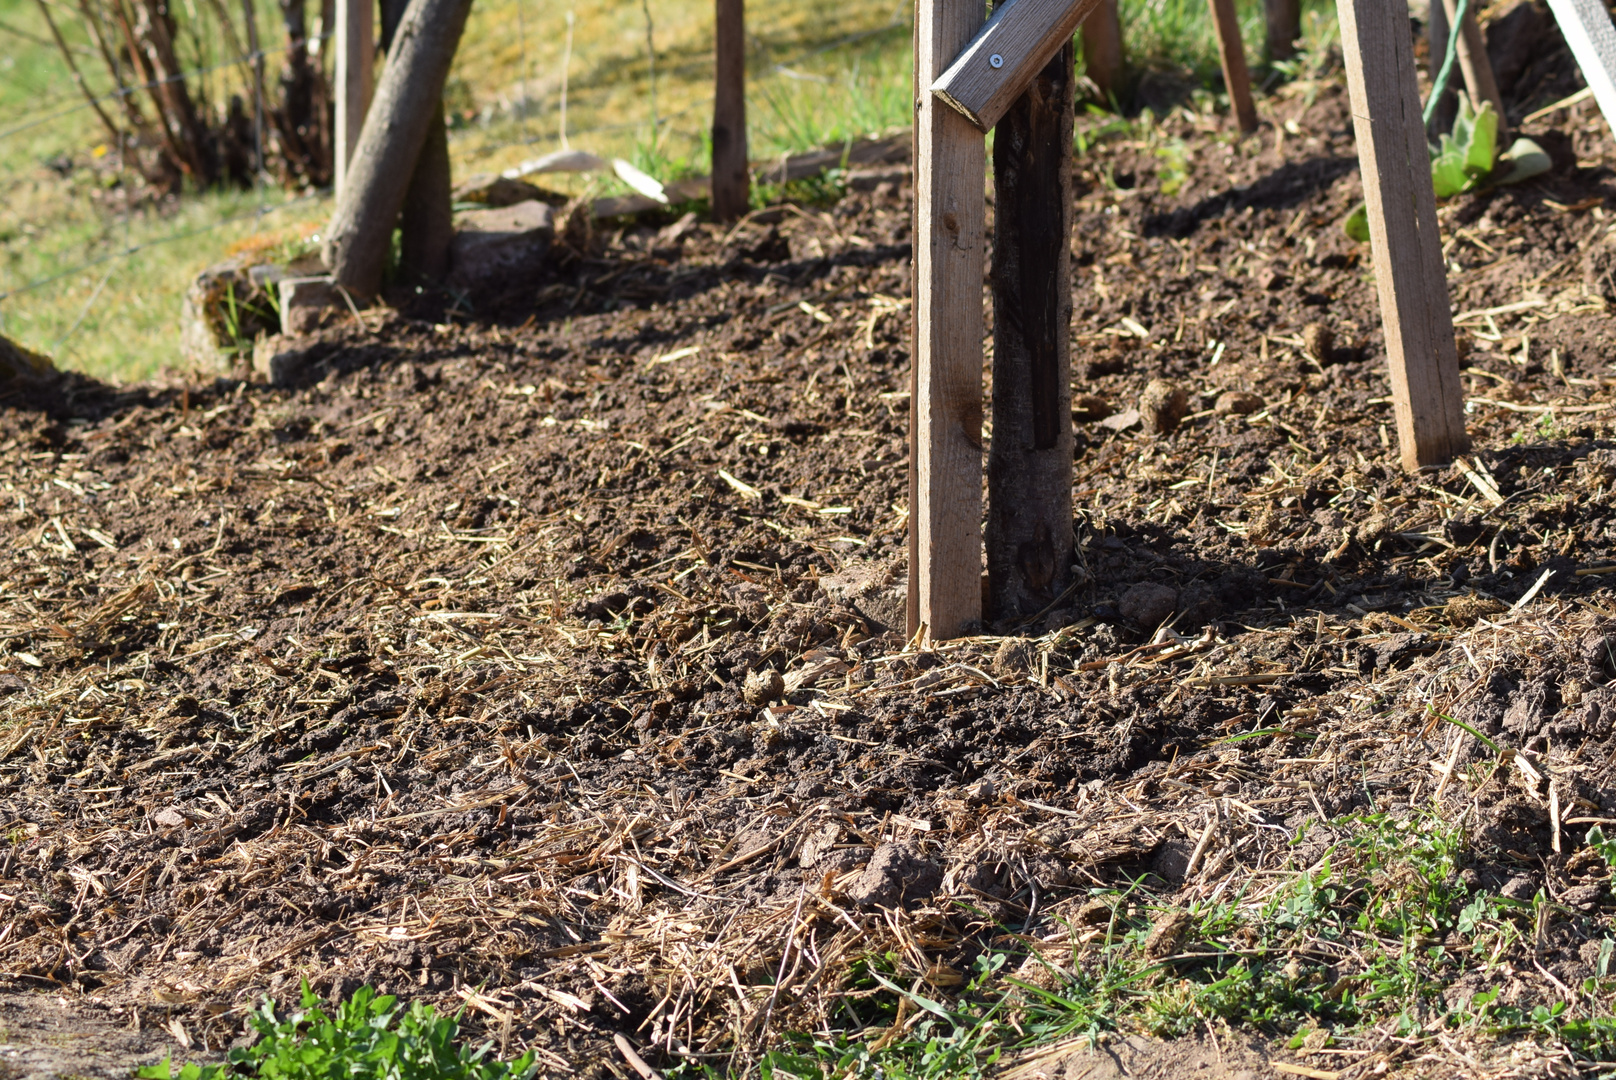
[1409,273]
[1029,521]
[945,436]
[731,190]
[1104,60]
[356,54]
[1476,67]
[1232,54]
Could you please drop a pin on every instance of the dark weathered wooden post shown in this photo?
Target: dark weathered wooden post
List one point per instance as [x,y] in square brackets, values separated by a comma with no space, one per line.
[407,102]
[1407,249]
[731,190]
[1284,27]
[1029,522]
[1104,58]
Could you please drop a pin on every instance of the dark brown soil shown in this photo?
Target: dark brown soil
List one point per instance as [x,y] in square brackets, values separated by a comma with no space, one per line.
[429,673]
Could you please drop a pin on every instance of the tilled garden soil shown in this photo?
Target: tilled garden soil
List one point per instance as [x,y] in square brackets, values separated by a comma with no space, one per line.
[543,661]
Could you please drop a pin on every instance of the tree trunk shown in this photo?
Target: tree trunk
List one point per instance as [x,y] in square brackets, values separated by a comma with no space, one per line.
[426,223]
[1029,524]
[731,184]
[1103,57]
[407,104]
[1284,28]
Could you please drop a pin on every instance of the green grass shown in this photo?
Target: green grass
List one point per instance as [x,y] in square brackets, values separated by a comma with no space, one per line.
[818,72]
[1360,943]
[370,1037]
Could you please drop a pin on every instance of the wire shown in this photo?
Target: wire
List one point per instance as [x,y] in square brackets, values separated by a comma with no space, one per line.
[133,248]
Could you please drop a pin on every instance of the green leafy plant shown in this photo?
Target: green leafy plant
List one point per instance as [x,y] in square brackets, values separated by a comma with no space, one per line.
[371,1037]
[1467,159]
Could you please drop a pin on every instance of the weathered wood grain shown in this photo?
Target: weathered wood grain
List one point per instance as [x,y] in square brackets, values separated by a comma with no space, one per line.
[1409,273]
[945,438]
[1001,61]
[1029,520]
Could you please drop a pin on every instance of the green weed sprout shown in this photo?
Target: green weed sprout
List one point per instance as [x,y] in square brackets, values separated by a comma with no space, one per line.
[372,1037]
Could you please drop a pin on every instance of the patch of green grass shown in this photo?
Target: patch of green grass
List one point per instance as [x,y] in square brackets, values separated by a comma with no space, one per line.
[1367,937]
[371,1037]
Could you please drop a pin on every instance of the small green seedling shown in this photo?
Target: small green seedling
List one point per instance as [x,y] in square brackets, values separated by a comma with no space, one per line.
[1467,160]
[372,1037]
[1605,848]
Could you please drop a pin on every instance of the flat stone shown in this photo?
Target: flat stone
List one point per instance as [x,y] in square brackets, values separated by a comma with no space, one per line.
[499,248]
[282,361]
[308,303]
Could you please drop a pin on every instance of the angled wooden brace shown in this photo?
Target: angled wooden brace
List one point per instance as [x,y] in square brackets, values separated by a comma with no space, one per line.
[1007,54]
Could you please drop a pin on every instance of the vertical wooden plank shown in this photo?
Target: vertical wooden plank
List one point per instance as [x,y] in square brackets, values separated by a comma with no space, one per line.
[945,436]
[731,189]
[1104,60]
[1284,26]
[1029,521]
[1477,68]
[1232,54]
[1588,30]
[1409,273]
[356,55]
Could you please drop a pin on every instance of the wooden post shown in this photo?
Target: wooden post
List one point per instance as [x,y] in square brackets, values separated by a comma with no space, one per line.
[356,54]
[1477,68]
[426,222]
[1103,57]
[1409,273]
[1284,26]
[1588,30]
[396,128]
[1029,521]
[1232,54]
[945,433]
[731,190]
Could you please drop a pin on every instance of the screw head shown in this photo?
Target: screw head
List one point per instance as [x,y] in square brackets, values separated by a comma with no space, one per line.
[996,61]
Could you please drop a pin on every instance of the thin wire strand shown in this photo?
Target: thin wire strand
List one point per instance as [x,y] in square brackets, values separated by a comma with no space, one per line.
[132,249]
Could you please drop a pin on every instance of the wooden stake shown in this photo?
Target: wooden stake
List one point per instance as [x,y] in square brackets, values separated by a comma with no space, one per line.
[1029,522]
[1588,30]
[356,53]
[945,434]
[731,189]
[1409,272]
[1104,60]
[1476,67]
[1232,54]
[1284,26]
